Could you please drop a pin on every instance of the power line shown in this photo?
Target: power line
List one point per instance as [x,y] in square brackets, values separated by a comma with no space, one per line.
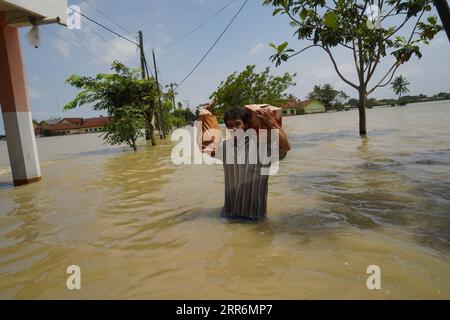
[197,28]
[106,28]
[107,17]
[214,44]
[91,43]
[73,44]
[102,38]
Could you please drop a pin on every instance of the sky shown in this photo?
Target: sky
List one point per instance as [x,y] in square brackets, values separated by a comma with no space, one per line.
[162,21]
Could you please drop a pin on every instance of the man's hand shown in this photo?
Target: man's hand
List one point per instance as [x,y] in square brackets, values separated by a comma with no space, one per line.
[267,117]
[208,109]
[211,105]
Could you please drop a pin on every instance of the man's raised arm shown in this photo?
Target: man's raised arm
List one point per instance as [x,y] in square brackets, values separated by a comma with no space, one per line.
[211,135]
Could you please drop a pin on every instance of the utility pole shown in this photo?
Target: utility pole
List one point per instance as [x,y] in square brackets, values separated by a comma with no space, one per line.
[173,94]
[444,13]
[149,129]
[141,49]
[162,133]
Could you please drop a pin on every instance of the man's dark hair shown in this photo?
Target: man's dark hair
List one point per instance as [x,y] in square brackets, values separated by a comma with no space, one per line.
[236,113]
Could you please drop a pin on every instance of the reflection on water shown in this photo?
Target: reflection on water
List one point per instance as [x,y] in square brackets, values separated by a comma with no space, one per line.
[141,227]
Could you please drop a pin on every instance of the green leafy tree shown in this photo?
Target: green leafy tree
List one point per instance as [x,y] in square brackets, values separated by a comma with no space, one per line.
[442,96]
[123,95]
[352,102]
[400,86]
[127,126]
[368,37]
[182,117]
[331,98]
[249,87]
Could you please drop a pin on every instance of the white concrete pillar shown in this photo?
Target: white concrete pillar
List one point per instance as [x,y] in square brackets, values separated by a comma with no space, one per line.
[16,110]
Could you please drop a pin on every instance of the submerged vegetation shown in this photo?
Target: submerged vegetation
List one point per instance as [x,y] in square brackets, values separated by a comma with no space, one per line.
[130,102]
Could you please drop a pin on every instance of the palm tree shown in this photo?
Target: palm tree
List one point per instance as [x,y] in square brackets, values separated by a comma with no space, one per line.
[400,86]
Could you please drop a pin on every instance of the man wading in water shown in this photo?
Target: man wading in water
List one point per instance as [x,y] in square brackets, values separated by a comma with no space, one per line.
[246,185]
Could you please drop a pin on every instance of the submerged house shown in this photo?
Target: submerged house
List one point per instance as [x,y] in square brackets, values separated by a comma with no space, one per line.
[73,126]
[290,108]
[312,106]
[294,107]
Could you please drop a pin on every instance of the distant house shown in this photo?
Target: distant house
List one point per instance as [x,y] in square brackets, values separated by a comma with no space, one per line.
[94,124]
[290,108]
[72,126]
[39,127]
[312,106]
[294,107]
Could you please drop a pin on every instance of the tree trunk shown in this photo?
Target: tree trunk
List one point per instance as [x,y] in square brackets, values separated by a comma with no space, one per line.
[152,134]
[150,130]
[158,126]
[398,100]
[362,111]
[132,144]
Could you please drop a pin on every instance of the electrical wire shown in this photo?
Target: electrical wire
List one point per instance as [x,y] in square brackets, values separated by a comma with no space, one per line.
[106,28]
[197,28]
[73,44]
[214,44]
[92,44]
[102,38]
[107,17]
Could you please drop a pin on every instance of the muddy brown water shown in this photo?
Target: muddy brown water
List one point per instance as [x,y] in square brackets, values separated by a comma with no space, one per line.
[141,227]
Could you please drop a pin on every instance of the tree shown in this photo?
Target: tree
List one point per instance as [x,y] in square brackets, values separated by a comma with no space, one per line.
[352,102]
[249,87]
[331,98]
[346,24]
[126,126]
[177,117]
[182,117]
[126,98]
[400,86]
[442,96]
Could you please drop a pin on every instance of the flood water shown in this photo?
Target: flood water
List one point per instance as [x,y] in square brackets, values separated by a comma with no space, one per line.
[140,227]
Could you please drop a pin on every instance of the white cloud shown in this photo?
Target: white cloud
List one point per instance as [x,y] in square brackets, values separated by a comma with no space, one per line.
[206,2]
[259,48]
[328,73]
[439,41]
[34,93]
[414,71]
[167,39]
[63,47]
[159,26]
[126,51]
[42,115]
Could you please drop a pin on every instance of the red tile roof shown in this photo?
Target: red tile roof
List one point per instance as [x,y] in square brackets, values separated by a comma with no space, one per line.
[290,104]
[96,122]
[62,126]
[72,120]
[306,102]
[79,123]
